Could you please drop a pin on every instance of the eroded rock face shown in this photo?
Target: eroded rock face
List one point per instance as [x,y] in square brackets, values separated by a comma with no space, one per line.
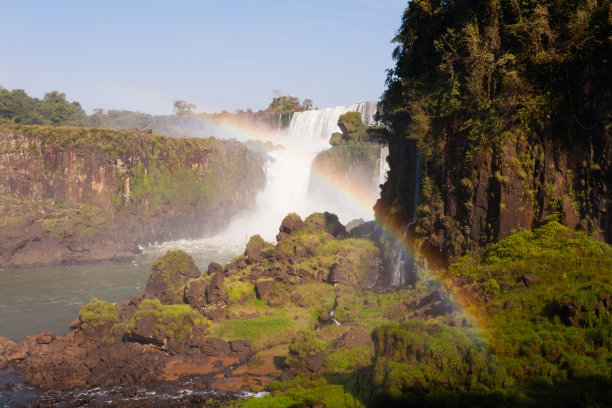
[169,275]
[78,201]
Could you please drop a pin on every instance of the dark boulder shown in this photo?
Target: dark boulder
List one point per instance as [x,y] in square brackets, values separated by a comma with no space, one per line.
[216,348]
[214,267]
[241,348]
[291,223]
[214,291]
[169,275]
[315,361]
[195,292]
[263,289]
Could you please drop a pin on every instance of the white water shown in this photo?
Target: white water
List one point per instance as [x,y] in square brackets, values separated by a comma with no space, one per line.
[288,175]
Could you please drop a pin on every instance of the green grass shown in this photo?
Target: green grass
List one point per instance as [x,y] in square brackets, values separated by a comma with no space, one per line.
[275,329]
[97,313]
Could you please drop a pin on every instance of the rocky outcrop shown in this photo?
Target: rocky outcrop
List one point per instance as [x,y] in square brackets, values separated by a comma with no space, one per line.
[465,203]
[83,195]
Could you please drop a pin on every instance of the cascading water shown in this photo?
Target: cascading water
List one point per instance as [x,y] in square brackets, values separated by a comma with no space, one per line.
[289,170]
[404,260]
[383,166]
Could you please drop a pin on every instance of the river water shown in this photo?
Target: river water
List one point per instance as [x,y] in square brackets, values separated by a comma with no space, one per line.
[48,297]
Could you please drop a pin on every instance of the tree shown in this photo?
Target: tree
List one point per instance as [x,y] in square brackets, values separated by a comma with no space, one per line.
[307,104]
[183,108]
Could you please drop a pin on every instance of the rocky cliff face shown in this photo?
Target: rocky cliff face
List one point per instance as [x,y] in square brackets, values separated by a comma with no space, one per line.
[81,195]
[463,203]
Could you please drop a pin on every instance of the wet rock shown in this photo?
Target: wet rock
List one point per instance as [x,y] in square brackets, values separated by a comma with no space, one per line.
[324,316]
[169,275]
[45,337]
[263,289]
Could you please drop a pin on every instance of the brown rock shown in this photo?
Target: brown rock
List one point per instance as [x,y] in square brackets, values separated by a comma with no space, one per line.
[315,361]
[195,293]
[45,337]
[214,291]
[241,348]
[169,275]
[216,348]
[263,289]
[292,222]
[214,267]
[355,338]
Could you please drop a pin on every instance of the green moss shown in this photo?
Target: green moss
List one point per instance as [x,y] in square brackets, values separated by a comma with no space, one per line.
[174,322]
[97,313]
[346,361]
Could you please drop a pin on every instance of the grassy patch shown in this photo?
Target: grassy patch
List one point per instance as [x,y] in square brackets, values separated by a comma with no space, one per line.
[97,313]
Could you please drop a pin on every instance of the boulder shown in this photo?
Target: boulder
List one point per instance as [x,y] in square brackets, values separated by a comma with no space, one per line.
[195,292]
[314,362]
[216,348]
[355,338]
[292,222]
[263,289]
[327,222]
[241,348]
[214,267]
[169,275]
[214,291]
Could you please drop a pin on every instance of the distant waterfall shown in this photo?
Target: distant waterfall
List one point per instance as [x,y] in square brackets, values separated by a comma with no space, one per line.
[288,174]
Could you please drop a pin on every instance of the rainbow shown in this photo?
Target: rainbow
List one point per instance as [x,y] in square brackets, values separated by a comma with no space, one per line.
[362,198]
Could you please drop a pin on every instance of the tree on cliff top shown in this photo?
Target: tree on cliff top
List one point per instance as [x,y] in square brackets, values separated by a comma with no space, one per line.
[183,108]
[288,104]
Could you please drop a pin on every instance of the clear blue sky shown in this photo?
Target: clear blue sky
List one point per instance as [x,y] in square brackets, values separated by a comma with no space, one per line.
[142,55]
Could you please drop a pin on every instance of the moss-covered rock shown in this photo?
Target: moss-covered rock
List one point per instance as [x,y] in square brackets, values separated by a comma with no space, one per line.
[169,275]
[97,317]
[168,325]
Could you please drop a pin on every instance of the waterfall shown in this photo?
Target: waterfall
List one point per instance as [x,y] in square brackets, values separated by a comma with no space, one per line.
[383,166]
[404,260]
[288,174]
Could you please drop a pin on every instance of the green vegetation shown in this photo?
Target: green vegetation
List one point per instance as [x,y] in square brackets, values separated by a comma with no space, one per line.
[18,107]
[258,329]
[482,91]
[97,313]
[556,325]
[288,104]
[173,322]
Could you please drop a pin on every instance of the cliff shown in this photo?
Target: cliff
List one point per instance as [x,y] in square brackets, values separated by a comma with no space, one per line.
[492,129]
[83,194]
